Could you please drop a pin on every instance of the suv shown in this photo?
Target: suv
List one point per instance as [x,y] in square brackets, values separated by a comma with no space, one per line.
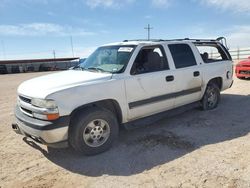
[120,83]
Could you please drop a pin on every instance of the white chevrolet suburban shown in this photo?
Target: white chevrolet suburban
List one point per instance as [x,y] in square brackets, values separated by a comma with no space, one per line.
[120,83]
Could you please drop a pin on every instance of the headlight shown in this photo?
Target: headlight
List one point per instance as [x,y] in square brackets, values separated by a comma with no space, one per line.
[49,109]
[44,103]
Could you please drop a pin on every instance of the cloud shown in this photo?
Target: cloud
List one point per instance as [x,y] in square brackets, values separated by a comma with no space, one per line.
[234,5]
[148,17]
[236,35]
[42,29]
[107,3]
[239,36]
[161,3]
[84,51]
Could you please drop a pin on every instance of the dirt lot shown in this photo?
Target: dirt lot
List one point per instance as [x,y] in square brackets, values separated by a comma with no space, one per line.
[193,149]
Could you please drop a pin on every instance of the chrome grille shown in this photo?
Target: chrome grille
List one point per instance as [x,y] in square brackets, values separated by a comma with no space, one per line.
[245,72]
[26,110]
[23,103]
[25,99]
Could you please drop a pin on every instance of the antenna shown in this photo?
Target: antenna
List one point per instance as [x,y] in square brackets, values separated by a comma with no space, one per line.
[72,48]
[148,28]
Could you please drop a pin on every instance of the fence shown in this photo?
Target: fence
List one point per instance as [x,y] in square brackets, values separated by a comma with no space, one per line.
[238,54]
[35,65]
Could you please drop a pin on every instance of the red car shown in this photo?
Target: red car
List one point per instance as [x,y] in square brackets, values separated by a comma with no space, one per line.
[242,69]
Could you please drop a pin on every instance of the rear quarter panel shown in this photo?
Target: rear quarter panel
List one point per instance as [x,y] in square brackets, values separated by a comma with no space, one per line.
[222,69]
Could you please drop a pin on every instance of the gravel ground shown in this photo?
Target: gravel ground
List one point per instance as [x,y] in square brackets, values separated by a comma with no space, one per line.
[192,149]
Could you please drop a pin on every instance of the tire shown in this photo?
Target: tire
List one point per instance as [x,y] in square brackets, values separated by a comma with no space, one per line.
[211,97]
[93,131]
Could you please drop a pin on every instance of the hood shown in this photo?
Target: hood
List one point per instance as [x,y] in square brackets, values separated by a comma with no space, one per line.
[42,86]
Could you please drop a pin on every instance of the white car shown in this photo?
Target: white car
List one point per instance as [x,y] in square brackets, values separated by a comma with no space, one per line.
[120,83]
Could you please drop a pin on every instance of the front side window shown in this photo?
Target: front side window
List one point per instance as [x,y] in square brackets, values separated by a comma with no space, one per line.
[150,59]
[183,55]
[113,59]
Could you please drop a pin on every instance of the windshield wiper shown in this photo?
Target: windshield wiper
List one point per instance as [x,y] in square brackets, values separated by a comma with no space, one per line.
[96,69]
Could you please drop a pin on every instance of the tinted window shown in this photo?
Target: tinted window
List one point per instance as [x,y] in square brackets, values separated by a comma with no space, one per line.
[150,59]
[182,55]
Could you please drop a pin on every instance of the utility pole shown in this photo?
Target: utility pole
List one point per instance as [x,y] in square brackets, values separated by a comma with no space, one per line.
[148,28]
[54,54]
[72,48]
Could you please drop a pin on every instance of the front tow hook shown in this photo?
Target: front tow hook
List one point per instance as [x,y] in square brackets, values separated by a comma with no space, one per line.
[16,128]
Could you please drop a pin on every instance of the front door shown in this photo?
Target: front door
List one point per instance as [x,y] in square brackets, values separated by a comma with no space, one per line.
[151,84]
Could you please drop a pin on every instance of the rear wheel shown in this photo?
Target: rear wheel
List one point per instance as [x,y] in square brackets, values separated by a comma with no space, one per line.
[211,97]
[93,131]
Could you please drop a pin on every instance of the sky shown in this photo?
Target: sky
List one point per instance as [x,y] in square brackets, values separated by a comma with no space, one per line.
[42,28]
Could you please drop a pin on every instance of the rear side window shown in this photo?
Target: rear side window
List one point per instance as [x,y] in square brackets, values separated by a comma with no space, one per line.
[182,55]
[211,52]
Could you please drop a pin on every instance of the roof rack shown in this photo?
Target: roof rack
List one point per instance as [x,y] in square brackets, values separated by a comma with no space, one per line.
[185,39]
[222,40]
[197,40]
[144,40]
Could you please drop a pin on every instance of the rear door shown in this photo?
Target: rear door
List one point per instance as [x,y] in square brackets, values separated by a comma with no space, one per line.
[151,84]
[188,75]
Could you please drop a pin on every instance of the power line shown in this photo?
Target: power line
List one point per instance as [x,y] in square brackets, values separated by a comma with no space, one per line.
[148,28]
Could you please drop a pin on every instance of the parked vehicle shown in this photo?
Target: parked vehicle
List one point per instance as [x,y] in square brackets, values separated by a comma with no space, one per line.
[30,69]
[15,69]
[43,67]
[242,69]
[119,84]
[3,69]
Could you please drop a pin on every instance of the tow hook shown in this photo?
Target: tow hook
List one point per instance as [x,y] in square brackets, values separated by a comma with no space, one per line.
[16,128]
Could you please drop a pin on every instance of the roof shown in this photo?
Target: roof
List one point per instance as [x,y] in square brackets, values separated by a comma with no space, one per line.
[184,39]
[129,42]
[24,61]
[157,41]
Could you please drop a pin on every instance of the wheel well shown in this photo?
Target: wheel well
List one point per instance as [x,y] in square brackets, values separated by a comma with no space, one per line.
[217,81]
[109,104]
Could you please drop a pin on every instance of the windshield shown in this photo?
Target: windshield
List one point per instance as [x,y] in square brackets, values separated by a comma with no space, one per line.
[113,59]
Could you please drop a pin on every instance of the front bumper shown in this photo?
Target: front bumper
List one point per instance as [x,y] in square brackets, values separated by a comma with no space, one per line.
[242,72]
[50,133]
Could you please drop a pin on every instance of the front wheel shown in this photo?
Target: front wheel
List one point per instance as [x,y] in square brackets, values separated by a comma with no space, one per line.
[93,131]
[211,97]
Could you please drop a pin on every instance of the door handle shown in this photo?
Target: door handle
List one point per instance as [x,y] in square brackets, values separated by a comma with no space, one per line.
[196,73]
[169,78]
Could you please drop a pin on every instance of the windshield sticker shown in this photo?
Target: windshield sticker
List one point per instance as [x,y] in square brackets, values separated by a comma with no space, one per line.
[125,49]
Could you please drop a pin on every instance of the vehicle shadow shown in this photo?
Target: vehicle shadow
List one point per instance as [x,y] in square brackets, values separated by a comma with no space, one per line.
[146,147]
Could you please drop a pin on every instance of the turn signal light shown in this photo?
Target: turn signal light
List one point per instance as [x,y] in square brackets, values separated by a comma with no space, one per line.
[52,116]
